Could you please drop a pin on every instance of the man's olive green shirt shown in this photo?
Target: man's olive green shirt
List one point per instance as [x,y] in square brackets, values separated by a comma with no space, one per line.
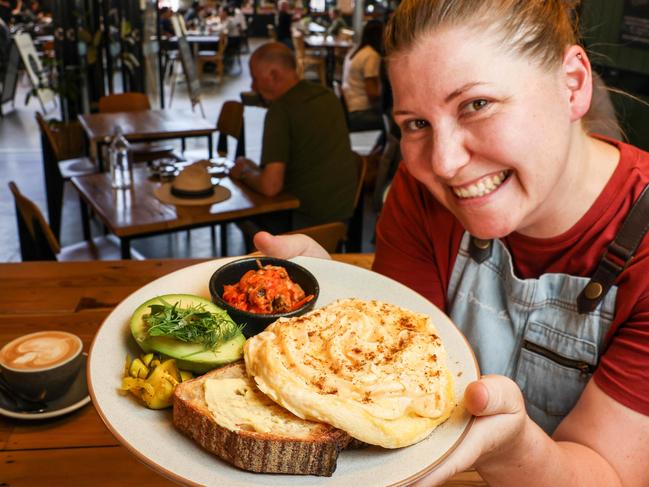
[306,130]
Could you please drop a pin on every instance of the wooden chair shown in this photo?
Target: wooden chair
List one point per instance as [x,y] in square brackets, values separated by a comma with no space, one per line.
[329,235]
[62,146]
[229,124]
[124,102]
[38,242]
[217,57]
[307,61]
[135,102]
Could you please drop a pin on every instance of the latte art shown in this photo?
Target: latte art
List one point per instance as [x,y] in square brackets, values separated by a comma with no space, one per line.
[39,350]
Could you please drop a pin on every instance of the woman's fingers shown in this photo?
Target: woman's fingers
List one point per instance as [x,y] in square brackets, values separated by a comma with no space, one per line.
[287,246]
[493,394]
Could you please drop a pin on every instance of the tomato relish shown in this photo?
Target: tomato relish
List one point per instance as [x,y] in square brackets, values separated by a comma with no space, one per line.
[267,290]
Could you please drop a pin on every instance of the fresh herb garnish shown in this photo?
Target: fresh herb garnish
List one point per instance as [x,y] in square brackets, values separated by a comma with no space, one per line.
[191,324]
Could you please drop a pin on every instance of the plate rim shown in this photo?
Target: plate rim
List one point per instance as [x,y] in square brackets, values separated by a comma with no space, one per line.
[169,474]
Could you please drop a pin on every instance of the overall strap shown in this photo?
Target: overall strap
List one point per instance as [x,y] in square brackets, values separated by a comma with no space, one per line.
[479,249]
[617,255]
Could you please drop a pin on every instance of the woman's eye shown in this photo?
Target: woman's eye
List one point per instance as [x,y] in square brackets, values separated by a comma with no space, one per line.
[414,125]
[476,105]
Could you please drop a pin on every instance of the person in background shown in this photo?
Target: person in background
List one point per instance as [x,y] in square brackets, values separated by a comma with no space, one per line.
[337,22]
[226,23]
[194,14]
[283,25]
[9,8]
[527,230]
[166,26]
[361,80]
[306,149]
[238,20]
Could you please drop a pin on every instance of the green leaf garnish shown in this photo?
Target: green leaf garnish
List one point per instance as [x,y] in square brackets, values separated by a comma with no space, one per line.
[193,324]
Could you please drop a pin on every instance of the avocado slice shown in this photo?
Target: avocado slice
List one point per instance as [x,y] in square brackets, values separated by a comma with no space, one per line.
[189,356]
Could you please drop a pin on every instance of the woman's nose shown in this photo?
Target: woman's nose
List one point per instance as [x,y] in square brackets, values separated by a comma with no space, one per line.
[449,152]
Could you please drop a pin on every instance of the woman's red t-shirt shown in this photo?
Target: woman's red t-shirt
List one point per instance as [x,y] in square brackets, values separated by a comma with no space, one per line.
[417,240]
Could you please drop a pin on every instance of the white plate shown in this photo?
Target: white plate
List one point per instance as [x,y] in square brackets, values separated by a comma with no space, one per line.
[76,397]
[151,436]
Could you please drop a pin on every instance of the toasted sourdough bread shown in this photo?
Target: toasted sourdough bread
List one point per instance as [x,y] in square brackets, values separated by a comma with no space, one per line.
[314,451]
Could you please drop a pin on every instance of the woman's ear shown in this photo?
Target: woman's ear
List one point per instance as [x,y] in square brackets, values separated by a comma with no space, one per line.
[578,80]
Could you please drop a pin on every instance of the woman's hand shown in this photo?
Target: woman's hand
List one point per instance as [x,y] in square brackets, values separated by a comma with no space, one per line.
[287,246]
[498,432]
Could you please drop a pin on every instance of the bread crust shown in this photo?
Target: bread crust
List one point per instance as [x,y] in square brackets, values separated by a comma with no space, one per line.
[315,454]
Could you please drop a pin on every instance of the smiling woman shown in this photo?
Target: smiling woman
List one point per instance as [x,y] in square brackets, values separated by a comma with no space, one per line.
[528,231]
[501,213]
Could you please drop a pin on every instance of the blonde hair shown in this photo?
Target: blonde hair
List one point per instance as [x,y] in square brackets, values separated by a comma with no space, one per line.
[541,29]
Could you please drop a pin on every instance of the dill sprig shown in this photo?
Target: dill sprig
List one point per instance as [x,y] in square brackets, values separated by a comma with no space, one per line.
[193,324]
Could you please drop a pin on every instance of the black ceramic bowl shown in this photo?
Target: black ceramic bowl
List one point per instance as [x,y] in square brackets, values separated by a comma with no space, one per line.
[232,272]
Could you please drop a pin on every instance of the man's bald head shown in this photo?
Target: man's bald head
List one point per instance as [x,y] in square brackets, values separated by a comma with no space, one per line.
[273,70]
[274,53]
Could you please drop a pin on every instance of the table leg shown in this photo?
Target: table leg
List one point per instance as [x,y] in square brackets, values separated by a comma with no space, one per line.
[125,245]
[224,239]
[330,62]
[100,156]
[210,149]
[85,220]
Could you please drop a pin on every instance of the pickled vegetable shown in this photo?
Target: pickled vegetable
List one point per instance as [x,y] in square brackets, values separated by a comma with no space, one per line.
[154,385]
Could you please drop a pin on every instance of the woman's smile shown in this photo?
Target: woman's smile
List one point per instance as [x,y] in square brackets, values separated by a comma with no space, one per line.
[482,187]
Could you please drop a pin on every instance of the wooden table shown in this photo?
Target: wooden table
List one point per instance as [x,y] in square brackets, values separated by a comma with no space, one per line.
[77,449]
[145,125]
[138,213]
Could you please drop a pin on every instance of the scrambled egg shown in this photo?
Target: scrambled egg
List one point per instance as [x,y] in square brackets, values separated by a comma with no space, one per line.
[374,370]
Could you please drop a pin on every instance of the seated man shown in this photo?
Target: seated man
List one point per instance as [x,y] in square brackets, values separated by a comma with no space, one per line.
[337,22]
[306,149]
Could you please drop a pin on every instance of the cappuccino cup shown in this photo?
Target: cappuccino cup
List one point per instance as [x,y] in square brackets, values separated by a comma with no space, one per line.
[41,366]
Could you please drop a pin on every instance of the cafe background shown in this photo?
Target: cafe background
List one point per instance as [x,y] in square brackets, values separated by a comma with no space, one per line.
[100,47]
[615,31]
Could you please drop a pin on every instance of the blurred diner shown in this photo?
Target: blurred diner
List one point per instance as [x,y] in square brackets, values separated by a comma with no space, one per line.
[361,79]
[305,150]
[9,9]
[166,25]
[337,22]
[194,14]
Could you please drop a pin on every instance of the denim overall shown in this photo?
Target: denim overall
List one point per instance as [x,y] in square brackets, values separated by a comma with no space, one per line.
[528,329]
[547,334]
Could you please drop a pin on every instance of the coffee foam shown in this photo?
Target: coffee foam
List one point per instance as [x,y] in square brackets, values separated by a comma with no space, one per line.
[40,350]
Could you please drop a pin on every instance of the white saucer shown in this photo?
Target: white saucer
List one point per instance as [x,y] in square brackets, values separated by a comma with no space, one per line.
[72,400]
